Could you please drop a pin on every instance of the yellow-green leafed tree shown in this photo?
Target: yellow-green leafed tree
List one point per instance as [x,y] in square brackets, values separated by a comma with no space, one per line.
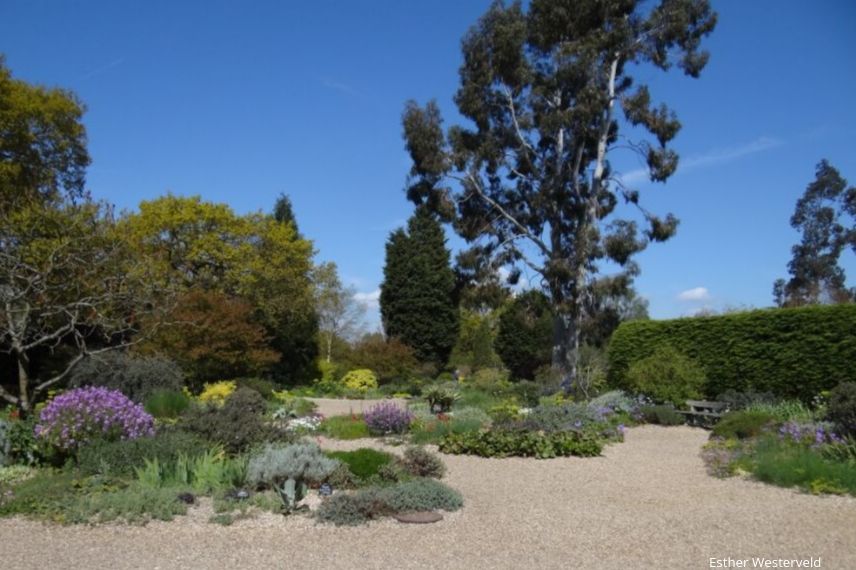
[207,246]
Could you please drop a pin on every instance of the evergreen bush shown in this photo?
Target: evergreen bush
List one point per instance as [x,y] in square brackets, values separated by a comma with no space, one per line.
[793,352]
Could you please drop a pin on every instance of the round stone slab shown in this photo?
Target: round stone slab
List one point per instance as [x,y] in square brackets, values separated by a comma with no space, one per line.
[424,517]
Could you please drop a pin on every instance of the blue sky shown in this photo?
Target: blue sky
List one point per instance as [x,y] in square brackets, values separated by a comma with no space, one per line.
[239,101]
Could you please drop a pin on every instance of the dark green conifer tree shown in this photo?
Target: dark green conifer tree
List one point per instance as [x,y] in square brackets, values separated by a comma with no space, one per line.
[417,299]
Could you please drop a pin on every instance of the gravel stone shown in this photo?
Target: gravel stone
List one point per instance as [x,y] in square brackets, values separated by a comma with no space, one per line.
[646,503]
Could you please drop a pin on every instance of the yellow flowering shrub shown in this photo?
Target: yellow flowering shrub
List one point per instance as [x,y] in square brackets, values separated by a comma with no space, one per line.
[217,392]
[361,380]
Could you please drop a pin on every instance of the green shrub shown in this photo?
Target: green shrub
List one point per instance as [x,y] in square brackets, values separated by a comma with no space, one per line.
[842,452]
[524,340]
[345,427]
[615,400]
[667,376]
[663,415]
[472,415]
[793,353]
[328,383]
[364,462]
[342,478]
[434,429]
[526,392]
[420,462]
[237,425]
[264,387]
[504,412]
[420,495]
[351,509]
[167,404]
[61,497]
[490,380]
[43,495]
[743,424]
[360,380]
[121,458]
[5,443]
[841,408]
[560,417]
[135,376]
[789,465]
[499,443]
[784,411]
[742,400]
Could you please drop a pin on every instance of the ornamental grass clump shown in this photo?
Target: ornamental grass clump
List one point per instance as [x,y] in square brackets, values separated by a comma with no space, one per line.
[85,414]
[387,418]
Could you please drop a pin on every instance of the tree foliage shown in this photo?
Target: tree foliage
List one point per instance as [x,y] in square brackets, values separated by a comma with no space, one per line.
[474,347]
[529,182]
[339,313]
[213,336]
[417,300]
[826,216]
[43,156]
[389,358]
[525,334]
[67,283]
[205,246]
[283,212]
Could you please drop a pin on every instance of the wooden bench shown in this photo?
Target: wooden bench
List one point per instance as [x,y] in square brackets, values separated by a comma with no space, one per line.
[704,414]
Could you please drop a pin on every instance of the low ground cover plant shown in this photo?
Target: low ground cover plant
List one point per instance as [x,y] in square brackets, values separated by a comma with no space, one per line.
[540,445]
[663,414]
[350,509]
[363,463]
[345,427]
[786,444]
[167,404]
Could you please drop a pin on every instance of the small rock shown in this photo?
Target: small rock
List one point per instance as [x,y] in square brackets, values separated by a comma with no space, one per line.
[424,517]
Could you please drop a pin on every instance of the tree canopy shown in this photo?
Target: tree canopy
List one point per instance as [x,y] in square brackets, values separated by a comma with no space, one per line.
[528,180]
[43,154]
[826,216]
[417,298]
[201,245]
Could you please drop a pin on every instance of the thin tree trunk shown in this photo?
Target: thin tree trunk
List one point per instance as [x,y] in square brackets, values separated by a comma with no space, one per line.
[23,382]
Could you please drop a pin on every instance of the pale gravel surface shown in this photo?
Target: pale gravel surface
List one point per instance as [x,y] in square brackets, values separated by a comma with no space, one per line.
[332,407]
[646,504]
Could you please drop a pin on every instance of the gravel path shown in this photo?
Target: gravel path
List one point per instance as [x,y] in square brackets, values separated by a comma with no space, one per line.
[647,503]
[332,407]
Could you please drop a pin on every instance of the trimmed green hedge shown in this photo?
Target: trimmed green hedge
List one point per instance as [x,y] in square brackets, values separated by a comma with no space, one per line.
[793,353]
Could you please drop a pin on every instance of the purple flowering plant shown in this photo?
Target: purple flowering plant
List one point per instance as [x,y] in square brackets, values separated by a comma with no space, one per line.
[79,416]
[812,434]
[386,418]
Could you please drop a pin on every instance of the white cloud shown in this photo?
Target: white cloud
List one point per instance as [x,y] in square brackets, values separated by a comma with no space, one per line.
[102,69]
[371,300]
[710,158]
[694,294]
[339,86]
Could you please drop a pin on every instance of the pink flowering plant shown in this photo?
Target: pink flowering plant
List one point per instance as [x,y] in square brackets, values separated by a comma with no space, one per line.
[79,416]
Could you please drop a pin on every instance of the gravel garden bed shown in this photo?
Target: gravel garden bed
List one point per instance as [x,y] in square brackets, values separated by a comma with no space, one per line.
[647,503]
